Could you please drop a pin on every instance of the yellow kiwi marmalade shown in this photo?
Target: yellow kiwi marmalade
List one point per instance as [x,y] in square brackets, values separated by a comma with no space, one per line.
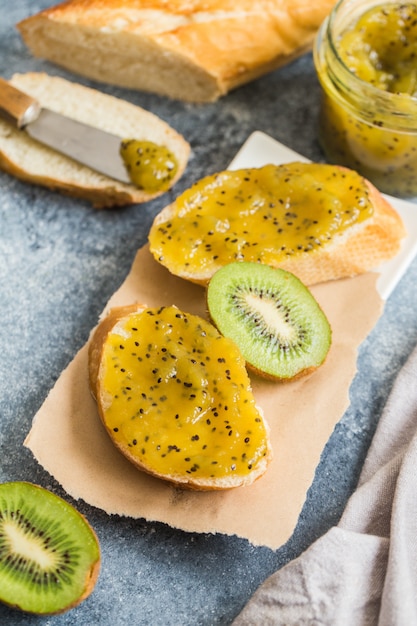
[180,399]
[366,59]
[150,166]
[264,215]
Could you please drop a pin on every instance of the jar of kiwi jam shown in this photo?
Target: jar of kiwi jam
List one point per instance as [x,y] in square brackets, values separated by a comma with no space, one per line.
[365,55]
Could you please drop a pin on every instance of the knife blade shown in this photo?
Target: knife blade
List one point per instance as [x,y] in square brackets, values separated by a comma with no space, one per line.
[86,144]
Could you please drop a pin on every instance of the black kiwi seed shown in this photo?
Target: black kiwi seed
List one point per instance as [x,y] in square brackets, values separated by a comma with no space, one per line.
[272,316]
[49,554]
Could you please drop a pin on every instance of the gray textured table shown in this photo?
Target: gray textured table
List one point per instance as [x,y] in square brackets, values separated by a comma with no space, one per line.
[60,260]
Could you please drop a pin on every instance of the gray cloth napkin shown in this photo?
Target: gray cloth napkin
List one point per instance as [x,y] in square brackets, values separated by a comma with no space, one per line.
[364,570]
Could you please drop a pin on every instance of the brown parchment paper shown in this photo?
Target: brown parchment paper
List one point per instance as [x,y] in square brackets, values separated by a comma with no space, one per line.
[68,440]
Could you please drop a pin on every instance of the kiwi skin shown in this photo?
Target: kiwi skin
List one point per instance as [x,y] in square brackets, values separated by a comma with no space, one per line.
[19,502]
[258,281]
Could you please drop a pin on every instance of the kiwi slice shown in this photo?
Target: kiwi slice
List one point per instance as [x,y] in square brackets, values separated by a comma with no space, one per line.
[272,316]
[49,554]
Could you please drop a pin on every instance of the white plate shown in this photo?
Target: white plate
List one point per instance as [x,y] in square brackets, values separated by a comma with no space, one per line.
[261,149]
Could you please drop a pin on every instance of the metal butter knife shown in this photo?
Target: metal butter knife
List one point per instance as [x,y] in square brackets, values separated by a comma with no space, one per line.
[90,146]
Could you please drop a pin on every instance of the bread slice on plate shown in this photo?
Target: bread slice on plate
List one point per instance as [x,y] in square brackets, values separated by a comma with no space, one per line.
[31,161]
[194,51]
[318,221]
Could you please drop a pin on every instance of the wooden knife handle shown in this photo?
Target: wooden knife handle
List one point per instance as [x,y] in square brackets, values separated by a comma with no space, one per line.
[17,107]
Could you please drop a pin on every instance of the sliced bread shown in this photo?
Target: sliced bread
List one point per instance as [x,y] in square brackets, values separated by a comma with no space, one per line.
[31,161]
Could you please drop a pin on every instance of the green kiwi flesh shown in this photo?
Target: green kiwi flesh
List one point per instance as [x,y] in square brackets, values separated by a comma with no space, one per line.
[49,554]
[272,316]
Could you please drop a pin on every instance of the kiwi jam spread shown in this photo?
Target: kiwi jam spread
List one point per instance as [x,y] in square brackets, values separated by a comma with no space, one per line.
[368,71]
[261,214]
[150,166]
[381,48]
[181,397]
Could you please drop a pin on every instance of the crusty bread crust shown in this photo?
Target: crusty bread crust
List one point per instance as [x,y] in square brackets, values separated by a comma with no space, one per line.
[95,351]
[360,249]
[189,50]
[27,159]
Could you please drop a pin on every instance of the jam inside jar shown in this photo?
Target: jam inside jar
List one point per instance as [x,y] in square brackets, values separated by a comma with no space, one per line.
[366,60]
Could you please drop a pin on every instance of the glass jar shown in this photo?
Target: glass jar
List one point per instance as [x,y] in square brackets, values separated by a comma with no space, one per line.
[362,126]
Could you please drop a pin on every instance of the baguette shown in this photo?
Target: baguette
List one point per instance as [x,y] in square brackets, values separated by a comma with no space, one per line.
[31,161]
[192,50]
[285,216]
[175,398]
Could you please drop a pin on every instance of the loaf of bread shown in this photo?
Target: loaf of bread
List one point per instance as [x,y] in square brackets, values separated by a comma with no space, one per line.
[175,398]
[192,50]
[31,161]
[318,221]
